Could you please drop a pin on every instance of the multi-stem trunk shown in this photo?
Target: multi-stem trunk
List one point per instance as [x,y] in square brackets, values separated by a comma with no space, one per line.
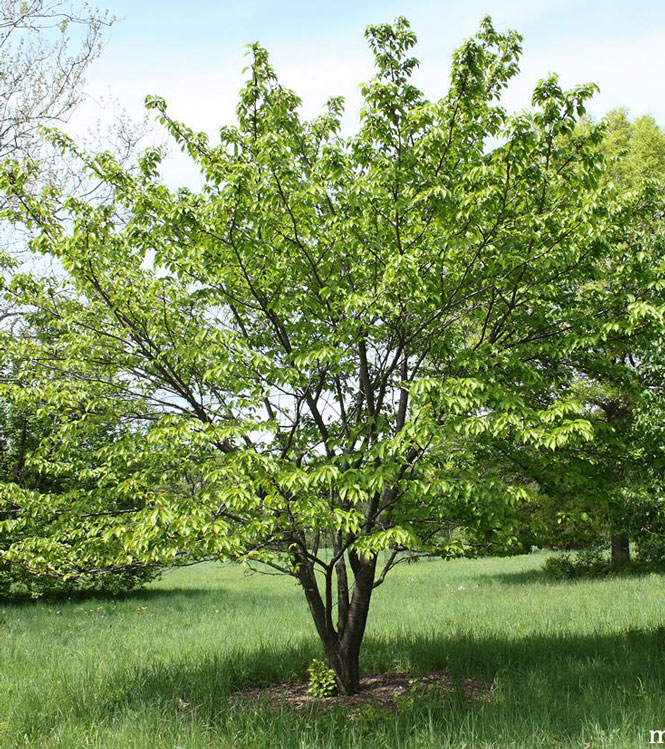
[341,642]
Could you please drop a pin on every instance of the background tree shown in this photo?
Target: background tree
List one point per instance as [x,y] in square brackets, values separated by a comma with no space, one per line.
[46,49]
[636,151]
[325,327]
[596,494]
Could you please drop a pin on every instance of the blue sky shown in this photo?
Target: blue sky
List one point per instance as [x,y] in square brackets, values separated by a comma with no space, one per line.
[193,54]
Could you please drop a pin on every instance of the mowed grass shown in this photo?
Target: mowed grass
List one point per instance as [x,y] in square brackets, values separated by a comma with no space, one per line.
[569,664]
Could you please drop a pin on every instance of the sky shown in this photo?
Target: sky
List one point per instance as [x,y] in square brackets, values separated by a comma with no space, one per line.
[193,54]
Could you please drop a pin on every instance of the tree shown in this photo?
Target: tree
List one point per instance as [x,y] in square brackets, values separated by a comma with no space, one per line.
[41,68]
[636,149]
[622,398]
[595,496]
[637,162]
[46,48]
[322,331]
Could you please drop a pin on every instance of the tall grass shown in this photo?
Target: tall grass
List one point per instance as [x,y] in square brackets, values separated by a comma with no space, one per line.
[569,663]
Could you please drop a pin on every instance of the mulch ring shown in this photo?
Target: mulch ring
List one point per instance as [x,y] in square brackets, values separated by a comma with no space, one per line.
[379,691]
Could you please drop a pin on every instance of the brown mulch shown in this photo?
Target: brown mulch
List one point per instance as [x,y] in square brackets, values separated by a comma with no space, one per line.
[379,691]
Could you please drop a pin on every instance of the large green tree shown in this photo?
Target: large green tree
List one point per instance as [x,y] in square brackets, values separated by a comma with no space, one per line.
[321,331]
[628,398]
[603,492]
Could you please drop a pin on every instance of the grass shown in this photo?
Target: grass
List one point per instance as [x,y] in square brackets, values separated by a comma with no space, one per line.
[571,664]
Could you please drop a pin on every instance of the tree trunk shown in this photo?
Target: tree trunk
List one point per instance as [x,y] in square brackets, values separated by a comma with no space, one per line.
[341,644]
[345,662]
[620,552]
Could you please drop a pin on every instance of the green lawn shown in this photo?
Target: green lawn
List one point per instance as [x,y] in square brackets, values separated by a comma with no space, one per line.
[570,663]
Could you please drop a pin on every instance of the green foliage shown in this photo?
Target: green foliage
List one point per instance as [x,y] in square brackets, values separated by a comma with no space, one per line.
[591,562]
[321,680]
[636,149]
[644,520]
[26,431]
[18,584]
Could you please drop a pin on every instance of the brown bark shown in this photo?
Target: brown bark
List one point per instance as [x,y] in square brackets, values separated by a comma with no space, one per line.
[341,644]
[620,554]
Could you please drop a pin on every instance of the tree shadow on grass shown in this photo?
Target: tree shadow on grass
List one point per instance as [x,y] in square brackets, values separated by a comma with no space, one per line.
[145,594]
[149,594]
[165,594]
[540,577]
[557,685]
[550,686]
[524,577]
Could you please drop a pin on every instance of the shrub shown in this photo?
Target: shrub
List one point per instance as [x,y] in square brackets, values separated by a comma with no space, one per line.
[590,562]
[321,680]
[650,553]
